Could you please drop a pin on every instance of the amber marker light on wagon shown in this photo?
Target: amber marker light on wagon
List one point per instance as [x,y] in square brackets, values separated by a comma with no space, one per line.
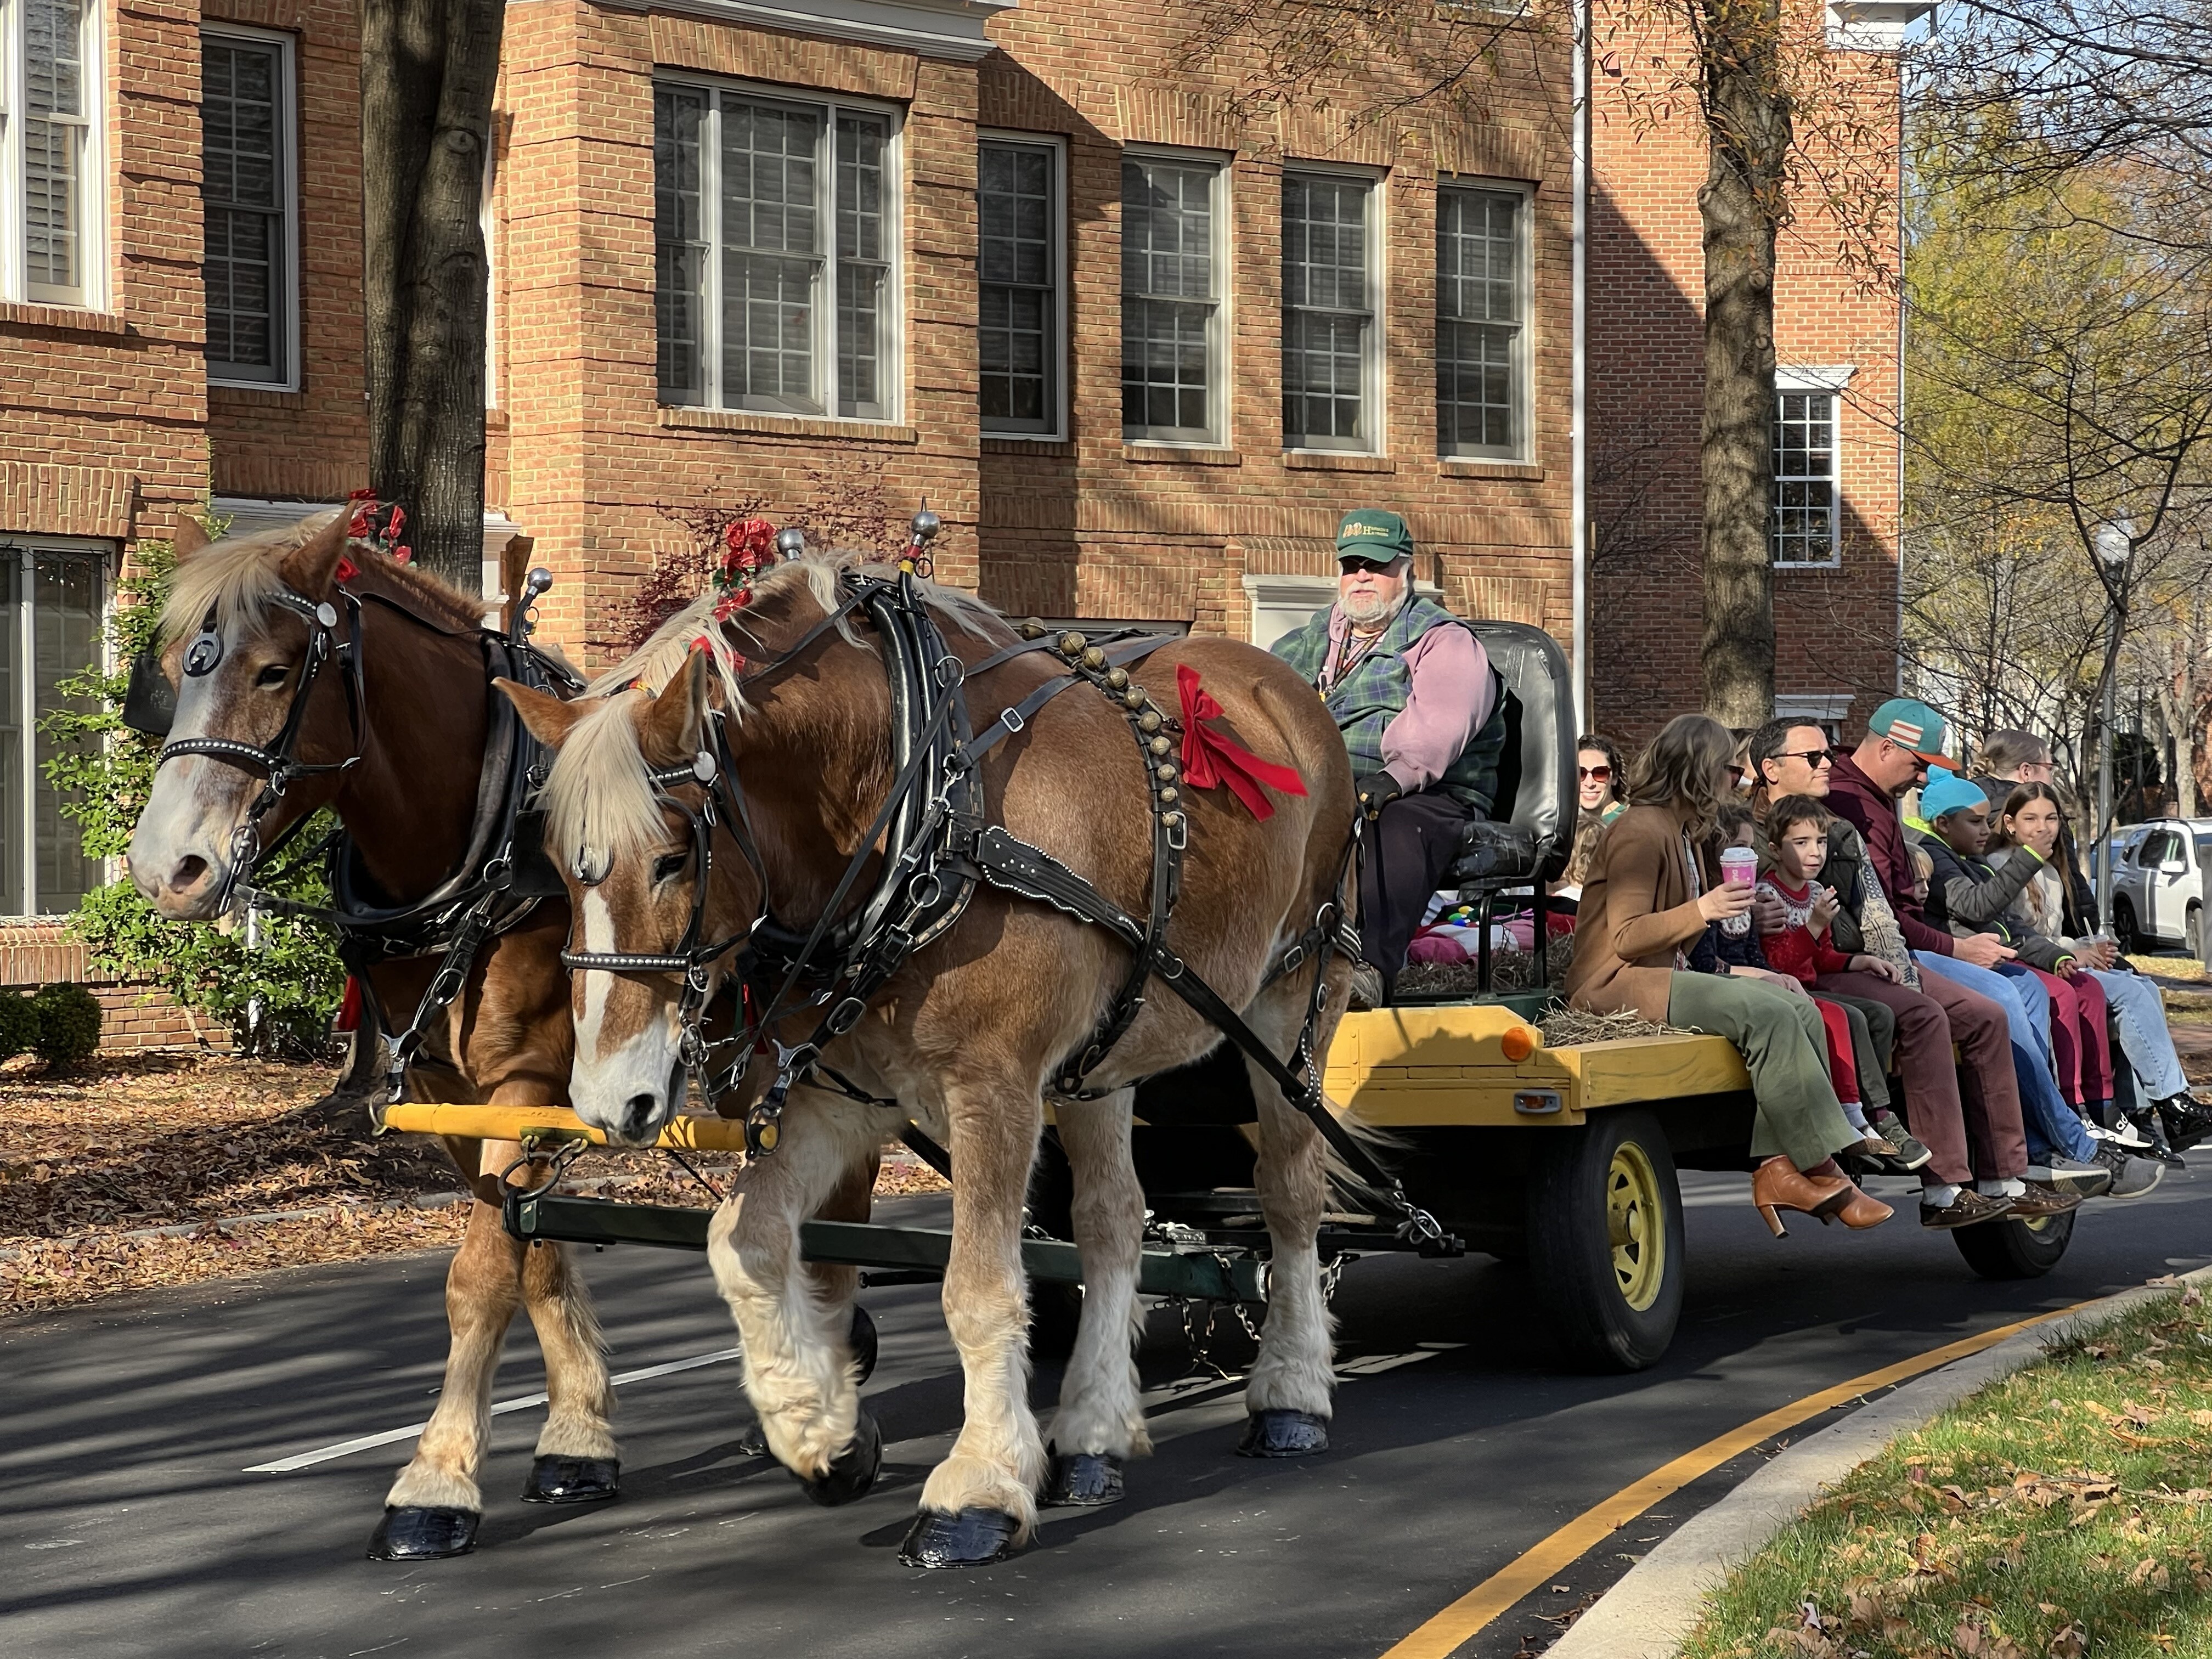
[1519,1043]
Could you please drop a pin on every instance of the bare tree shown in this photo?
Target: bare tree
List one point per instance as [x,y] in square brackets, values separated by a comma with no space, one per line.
[427,72]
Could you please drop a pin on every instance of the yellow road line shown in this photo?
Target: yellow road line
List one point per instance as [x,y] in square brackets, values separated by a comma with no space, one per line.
[1443,1635]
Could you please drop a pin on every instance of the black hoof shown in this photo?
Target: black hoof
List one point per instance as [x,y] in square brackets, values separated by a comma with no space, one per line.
[424,1534]
[864,1342]
[853,1471]
[1083,1481]
[1283,1433]
[753,1443]
[555,1479]
[973,1538]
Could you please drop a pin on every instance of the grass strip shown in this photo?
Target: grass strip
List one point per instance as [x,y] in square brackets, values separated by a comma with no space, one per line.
[2059,1514]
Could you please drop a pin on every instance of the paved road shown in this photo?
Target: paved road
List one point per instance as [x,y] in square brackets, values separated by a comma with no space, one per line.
[128,1527]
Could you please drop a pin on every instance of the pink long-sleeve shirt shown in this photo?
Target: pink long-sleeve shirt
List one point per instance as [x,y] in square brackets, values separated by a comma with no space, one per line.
[1451,697]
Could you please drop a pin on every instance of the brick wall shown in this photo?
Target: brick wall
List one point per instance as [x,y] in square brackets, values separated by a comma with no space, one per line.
[32,954]
[1836,631]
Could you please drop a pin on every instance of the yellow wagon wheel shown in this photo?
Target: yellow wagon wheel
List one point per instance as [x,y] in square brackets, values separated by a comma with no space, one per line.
[1604,1230]
[1636,1226]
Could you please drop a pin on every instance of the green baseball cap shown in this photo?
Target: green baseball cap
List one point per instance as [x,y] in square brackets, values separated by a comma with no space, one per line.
[1911,724]
[1370,532]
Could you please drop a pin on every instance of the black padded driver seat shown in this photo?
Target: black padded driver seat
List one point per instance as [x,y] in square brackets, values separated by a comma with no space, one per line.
[1525,842]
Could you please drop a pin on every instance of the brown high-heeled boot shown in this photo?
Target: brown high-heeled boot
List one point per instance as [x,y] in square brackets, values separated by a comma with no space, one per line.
[1778,1185]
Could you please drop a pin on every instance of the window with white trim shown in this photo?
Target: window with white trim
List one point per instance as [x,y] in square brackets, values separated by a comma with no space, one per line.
[1331,364]
[1807,492]
[51,204]
[1482,314]
[1019,252]
[52,601]
[775,234]
[1172,349]
[250,233]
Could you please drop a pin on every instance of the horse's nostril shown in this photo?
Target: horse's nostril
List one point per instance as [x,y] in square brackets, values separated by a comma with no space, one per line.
[189,873]
[640,1109]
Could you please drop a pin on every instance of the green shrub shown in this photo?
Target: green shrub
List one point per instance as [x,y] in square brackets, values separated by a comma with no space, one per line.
[68,1022]
[19,1025]
[105,771]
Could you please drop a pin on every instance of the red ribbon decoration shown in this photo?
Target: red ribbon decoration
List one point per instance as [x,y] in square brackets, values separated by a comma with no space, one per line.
[1211,761]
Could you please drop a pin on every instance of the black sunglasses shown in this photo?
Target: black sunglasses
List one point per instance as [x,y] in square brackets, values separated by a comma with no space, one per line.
[1815,758]
[1371,567]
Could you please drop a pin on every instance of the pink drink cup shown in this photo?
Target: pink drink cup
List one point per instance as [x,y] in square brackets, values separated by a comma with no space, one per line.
[1739,868]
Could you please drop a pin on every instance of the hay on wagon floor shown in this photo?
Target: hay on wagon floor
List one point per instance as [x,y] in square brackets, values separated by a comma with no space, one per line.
[1512,972]
[1564,1028]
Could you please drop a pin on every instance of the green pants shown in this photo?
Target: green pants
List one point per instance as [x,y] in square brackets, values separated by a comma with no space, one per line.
[1784,1048]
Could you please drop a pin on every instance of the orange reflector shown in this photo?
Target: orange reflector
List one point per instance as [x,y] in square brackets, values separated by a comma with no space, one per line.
[1518,1043]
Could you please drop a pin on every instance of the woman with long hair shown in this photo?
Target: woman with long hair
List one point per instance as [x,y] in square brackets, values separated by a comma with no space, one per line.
[1652,889]
[1600,780]
[2174,1117]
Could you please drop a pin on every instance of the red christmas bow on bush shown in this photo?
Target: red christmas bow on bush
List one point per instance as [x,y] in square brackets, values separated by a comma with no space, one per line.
[1211,761]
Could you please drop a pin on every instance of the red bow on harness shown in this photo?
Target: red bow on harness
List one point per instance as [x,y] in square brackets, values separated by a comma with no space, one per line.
[1211,761]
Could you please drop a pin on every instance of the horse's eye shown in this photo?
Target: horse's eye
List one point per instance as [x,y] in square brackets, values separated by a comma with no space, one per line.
[669,866]
[274,675]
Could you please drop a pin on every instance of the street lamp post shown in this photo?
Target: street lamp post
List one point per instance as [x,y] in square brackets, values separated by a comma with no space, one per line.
[2115,543]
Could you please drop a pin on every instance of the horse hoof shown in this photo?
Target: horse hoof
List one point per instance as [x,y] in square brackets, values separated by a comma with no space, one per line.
[753,1443]
[864,1342]
[1283,1433]
[1083,1481]
[555,1479]
[853,1471]
[424,1534]
[973,1538]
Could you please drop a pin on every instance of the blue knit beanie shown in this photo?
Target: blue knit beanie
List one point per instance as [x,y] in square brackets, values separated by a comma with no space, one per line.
[1946,791]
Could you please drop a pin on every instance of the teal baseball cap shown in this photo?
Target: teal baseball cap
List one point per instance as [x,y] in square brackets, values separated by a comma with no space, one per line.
[1373,532]
[1911,724]
[1946,792]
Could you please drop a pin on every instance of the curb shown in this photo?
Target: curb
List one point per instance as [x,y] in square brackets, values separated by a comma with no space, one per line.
[1651,1612]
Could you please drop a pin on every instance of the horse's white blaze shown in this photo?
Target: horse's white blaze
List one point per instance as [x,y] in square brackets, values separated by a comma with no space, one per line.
[601,1084]
[598,936]
[193,811]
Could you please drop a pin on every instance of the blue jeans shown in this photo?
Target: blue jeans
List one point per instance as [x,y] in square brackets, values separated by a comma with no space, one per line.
[2139,1018]
[2051,1123]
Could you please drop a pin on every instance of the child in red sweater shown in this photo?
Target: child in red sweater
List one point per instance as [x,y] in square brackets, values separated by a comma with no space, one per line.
[1797,837]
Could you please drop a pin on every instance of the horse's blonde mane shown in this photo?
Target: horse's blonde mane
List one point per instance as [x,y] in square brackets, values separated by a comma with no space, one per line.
[237,577]
[599,804]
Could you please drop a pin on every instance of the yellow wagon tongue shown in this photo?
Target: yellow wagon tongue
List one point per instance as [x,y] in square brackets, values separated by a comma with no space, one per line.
[552,1122]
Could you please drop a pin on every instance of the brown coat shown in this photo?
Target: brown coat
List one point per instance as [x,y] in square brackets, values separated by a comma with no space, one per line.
[1636,912]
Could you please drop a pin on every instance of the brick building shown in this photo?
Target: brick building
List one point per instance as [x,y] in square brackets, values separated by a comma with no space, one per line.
[1140,346]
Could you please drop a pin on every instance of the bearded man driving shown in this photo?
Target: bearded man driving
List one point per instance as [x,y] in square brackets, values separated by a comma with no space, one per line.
[1419,707]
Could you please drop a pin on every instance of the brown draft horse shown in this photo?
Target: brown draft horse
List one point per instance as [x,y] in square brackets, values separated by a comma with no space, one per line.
[968,1034]
[408,803]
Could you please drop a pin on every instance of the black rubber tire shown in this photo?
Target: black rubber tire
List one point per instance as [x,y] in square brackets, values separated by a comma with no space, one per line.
[2015,1250]
[2124,931]
[2192,931]
[1571,1253]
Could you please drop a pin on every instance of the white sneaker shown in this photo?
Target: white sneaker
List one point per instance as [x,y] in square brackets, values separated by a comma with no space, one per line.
[2126,1135]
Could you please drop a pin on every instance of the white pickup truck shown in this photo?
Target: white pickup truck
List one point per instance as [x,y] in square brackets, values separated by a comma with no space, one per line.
[2159,882]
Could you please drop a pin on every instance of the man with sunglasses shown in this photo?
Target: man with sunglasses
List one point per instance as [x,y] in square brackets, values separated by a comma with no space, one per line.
[1418,705]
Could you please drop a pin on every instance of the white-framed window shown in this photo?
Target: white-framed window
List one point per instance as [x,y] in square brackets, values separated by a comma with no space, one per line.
[1332,344]
[776,235]
[52,203]
[1021,302]
[249,201]
[1174,344]
[53,600]
[1483,280]
[1808,487]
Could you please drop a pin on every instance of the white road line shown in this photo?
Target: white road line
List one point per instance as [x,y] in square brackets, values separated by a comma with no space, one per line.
[347,1448]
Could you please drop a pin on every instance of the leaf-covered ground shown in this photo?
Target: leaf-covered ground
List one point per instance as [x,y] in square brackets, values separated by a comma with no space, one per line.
[92,1163]
[2061,1513]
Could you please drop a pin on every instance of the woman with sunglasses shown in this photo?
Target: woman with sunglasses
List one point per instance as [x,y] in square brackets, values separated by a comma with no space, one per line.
[1600,780]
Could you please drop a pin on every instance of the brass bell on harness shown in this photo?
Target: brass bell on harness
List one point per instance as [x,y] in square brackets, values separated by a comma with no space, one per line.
[1158,746]
[1031,630]
[1169,797]
[1134,697]
[1165,773]
[1116,679]
[1071,644]
[1149,720]
[1094,660]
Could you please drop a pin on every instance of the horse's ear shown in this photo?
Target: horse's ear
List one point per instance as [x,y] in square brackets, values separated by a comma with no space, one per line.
[548,719]
[670,728]
[189,536]
[308,567]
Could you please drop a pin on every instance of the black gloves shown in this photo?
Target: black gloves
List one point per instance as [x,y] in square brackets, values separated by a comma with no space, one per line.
[1375,790]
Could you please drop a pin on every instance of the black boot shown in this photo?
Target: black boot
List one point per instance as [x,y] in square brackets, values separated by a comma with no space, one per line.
[2186,1120]
[2150,1122]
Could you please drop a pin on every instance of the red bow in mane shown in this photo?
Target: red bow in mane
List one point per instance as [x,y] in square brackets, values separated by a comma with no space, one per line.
[748,549]
[1211,761]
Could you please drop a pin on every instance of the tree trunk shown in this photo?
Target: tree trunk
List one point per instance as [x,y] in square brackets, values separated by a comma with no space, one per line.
[428,70]
[2177,703]
[1741,203]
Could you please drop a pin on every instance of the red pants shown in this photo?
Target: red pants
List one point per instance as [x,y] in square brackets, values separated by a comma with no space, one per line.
[2079,1045]
[1843,1069]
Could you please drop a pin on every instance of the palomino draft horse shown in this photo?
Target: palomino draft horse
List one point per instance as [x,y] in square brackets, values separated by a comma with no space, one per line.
[814,819]
[310,670]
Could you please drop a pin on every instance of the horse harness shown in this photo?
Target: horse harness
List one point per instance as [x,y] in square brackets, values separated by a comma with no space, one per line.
[937,848]
[502,875]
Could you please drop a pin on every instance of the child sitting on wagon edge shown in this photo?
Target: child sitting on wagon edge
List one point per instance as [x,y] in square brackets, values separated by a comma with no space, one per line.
[1797,832]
